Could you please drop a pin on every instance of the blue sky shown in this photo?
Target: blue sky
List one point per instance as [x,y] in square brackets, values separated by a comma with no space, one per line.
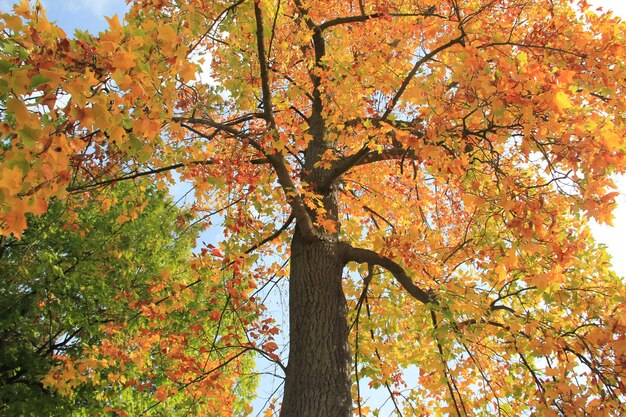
[81,14]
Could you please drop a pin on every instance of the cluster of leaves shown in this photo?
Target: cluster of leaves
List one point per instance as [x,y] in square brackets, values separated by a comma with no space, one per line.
[64,98]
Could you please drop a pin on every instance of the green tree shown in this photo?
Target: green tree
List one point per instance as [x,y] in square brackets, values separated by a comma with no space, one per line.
[75,275]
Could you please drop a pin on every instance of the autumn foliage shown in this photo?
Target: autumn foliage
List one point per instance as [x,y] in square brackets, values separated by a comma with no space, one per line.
[446,156]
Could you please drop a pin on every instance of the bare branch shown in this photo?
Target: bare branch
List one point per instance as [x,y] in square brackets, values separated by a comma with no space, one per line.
[352,254]
[89,186]
[365,17]
[394,101]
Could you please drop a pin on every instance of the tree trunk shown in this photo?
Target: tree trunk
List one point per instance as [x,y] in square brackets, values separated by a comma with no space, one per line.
[318,372]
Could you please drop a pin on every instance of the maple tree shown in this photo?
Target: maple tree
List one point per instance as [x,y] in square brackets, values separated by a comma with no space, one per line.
[448,154]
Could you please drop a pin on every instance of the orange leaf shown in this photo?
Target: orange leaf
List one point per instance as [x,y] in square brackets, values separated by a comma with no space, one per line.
[160,394]
[19,110]
[270,346]
[15,222]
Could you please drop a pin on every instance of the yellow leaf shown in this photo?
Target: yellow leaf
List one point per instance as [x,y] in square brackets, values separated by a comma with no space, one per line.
[501,272]
[188,72]
[23,9]
[100,113]
[122,219]
[562,101]
[565,77]
[167,34]
[11,181]
[114,22]
[39,206]
[14,221]
[19,110]
[123,61]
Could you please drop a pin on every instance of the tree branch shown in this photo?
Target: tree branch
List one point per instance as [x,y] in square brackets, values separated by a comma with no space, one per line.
[277,162]
[276,159]
[341,167]
[207,121]
[85,187]
[446,371]
[352,254]
[416,67]
[365,17]
[305,14]
[366,155]
[293,197]
[271,237]
[263,67]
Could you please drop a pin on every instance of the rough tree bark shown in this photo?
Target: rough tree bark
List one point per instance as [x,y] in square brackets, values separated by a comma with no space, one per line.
[318,372]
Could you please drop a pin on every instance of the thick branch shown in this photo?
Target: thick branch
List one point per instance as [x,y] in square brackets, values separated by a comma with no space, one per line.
[367,155]
[387,155]
[341,167]
[294,199]
[305,14]
[263,67]
[276,159]
[349,19]
[365,17]
[352,254]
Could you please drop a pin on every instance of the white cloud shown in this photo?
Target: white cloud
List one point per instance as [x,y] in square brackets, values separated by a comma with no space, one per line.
[617,6]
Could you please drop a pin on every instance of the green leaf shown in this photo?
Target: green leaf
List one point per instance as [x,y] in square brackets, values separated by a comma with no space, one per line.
[37,81]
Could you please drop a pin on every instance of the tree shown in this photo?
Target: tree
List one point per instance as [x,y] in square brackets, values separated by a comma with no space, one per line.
[450,154]
[68,287]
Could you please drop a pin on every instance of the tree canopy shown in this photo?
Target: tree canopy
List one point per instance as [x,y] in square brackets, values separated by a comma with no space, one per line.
[420,175]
